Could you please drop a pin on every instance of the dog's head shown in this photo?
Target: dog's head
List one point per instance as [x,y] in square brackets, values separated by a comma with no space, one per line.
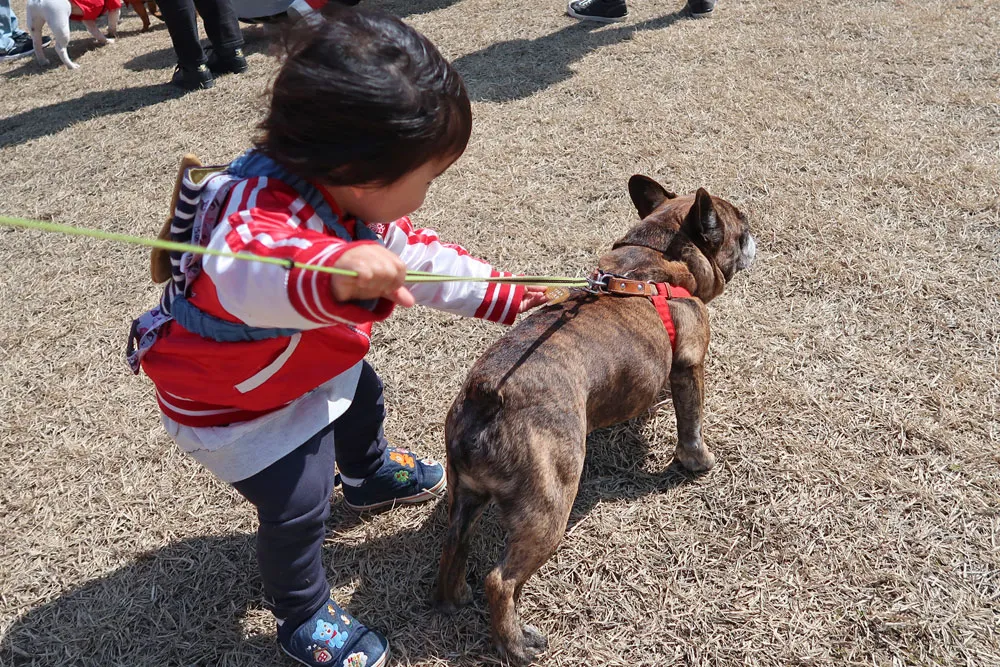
[696,241]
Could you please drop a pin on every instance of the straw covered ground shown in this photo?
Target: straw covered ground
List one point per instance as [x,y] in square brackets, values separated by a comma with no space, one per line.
[853,380]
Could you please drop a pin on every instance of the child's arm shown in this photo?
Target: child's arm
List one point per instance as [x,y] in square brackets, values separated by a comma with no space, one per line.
[269,295]
[422,250]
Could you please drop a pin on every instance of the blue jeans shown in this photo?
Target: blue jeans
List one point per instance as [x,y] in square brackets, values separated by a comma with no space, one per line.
[8,26]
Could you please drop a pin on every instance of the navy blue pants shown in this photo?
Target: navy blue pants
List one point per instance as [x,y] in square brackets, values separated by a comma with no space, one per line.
[292,497]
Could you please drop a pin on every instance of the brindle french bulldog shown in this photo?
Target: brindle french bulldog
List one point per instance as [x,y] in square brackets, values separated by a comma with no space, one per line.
[516,434]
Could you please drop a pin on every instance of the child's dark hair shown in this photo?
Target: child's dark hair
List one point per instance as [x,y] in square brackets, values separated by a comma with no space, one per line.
[363,98]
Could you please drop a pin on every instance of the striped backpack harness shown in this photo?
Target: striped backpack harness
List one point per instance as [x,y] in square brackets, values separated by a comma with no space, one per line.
[200,196]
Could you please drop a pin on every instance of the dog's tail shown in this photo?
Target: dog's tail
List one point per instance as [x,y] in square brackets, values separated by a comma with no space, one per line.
[472,419]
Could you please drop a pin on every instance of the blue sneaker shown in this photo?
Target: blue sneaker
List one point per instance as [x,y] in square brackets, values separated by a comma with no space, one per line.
[333,638]
[403,479]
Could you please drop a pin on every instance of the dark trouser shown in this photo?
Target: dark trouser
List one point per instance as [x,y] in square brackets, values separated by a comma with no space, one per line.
[221,26]
[292,497]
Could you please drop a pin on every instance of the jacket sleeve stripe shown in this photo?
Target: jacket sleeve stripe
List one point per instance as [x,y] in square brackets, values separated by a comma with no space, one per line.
[491,290]
[306,304]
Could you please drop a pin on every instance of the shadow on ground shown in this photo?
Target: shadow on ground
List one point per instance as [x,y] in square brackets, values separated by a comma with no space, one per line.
[76,49]
[407,8]
[52,118]
[256,39]
[522,67]
[183,604]
[43,121]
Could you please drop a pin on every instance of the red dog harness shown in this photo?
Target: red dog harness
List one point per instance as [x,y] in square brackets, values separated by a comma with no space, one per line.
[665,292]
[658,293]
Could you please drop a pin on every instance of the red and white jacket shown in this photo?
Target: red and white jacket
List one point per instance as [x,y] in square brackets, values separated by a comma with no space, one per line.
[202,382]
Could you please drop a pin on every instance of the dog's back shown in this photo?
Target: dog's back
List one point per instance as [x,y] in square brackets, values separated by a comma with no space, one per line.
[55,13]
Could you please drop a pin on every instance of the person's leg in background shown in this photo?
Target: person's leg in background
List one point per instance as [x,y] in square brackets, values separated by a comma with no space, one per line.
[221,25]
[223,29]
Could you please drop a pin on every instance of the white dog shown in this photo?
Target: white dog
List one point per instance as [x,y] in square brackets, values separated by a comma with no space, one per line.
[57,14]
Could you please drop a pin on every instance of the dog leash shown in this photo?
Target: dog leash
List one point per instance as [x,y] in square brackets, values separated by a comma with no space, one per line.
[412,277]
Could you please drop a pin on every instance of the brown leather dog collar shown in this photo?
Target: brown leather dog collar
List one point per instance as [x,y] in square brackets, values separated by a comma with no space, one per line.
[626,287]
[607,283]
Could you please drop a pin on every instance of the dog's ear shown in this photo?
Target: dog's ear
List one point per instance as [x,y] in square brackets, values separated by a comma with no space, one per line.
[647,194]
[702,222]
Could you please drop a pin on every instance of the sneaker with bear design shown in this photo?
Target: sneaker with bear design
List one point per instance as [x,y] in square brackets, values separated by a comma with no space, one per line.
[332,637]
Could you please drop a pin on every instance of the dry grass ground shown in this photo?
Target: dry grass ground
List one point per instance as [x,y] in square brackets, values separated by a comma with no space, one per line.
[852,389]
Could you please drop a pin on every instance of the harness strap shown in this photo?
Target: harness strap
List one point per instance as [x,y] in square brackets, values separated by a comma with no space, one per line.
[665,292]
[209,326]
[255,163]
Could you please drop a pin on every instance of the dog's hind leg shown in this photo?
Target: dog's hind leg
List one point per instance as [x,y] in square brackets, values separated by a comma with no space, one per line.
[465,508]
[57,16]
[535,519]
[35,20]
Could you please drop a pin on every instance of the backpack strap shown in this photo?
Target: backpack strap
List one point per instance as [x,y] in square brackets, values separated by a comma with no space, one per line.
[201,323]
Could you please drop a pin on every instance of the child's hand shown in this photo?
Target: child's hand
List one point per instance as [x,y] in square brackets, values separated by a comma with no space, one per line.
[380,275]
[534,296]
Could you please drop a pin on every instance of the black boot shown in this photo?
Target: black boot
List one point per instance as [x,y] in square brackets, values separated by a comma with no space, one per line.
[193,79]
[231,62]
[700,8]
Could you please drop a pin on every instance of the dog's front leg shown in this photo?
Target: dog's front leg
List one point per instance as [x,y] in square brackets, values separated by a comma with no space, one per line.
[113,17]
[95,32]
[687,385]
[139,7]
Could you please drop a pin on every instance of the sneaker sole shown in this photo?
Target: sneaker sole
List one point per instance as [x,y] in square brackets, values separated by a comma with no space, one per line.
[595,19]
[701,15]
[436,491]
[378,663]
[18,56]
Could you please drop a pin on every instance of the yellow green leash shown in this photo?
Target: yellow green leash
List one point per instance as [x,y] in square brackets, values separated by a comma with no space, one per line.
[411,276]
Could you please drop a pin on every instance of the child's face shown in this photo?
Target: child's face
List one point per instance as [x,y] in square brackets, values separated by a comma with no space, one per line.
[385,203]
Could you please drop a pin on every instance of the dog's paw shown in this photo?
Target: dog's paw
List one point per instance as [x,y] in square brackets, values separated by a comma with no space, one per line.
[72,66]
[534,639]
[524,652]
[695,461]
[451,604]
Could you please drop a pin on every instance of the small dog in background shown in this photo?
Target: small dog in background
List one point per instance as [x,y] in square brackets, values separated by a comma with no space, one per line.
[58,13]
